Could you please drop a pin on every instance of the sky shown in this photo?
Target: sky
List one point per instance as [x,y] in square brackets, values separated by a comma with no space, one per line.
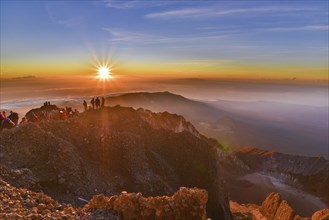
[216,39]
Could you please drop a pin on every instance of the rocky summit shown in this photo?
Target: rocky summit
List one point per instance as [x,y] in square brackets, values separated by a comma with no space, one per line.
[110,150]
[122,163]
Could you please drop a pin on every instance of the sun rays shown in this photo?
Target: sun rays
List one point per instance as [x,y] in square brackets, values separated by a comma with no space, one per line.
[104,73]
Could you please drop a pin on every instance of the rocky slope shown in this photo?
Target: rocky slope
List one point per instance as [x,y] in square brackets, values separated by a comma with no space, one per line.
[112,150]
[272,208]
[118,149]
[20,203]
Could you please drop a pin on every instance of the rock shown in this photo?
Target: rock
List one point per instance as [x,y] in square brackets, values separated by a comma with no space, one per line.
[41,207]
[284,212]
[184,204]
[271,205]
[272,208]
[321,215]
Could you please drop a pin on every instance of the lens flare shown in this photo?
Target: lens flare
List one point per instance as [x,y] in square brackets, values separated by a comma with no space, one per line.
[104,72]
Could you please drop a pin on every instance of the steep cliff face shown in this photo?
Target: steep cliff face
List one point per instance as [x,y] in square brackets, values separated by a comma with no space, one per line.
[167,121]
[115,149]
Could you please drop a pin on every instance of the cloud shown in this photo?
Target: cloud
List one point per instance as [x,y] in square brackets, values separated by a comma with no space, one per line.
[201,62]
[69,22]
[303,28]
[181,13]
[127,4]
[120,4]
[134,37]
[192,13]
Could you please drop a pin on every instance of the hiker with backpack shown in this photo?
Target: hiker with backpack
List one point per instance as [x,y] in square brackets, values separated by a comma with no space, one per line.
[13,117]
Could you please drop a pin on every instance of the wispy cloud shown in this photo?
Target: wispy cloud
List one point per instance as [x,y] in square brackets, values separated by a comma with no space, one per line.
[181,13]
[192,13]
[120,4]
[145,38]
[201,62]
[303,28]
[127,4]
[70,22]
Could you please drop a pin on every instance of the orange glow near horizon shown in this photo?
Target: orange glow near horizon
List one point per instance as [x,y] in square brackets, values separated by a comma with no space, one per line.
[109,68]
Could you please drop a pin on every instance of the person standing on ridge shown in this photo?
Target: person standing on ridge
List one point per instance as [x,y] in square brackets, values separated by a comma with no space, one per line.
[85,105]
[13,117]
[98,103]
[103,102]
[92,102]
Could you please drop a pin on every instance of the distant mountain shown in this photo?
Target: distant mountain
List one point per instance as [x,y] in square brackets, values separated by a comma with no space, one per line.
[234,127]
[209,120]
[166,101]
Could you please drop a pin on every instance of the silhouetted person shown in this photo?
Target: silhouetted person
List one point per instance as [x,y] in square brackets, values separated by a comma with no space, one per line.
[62,115]
[2,118]
[13,117]
[103,102]
[85,105]
[98,102]
[75,112]
[5,122]
[68,111]
[92,102]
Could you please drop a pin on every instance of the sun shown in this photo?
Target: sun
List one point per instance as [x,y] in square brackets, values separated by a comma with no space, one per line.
[104,72]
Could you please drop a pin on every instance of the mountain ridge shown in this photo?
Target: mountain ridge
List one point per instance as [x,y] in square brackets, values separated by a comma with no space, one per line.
[120,148]
[204,116]
[114,149]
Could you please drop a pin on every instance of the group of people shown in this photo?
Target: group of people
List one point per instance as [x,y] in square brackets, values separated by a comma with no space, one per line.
[55,113]
[48,112]
[96,103]
[10,121]
[44,113]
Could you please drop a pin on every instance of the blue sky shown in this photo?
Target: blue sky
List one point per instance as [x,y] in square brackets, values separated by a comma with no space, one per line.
[177,35]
